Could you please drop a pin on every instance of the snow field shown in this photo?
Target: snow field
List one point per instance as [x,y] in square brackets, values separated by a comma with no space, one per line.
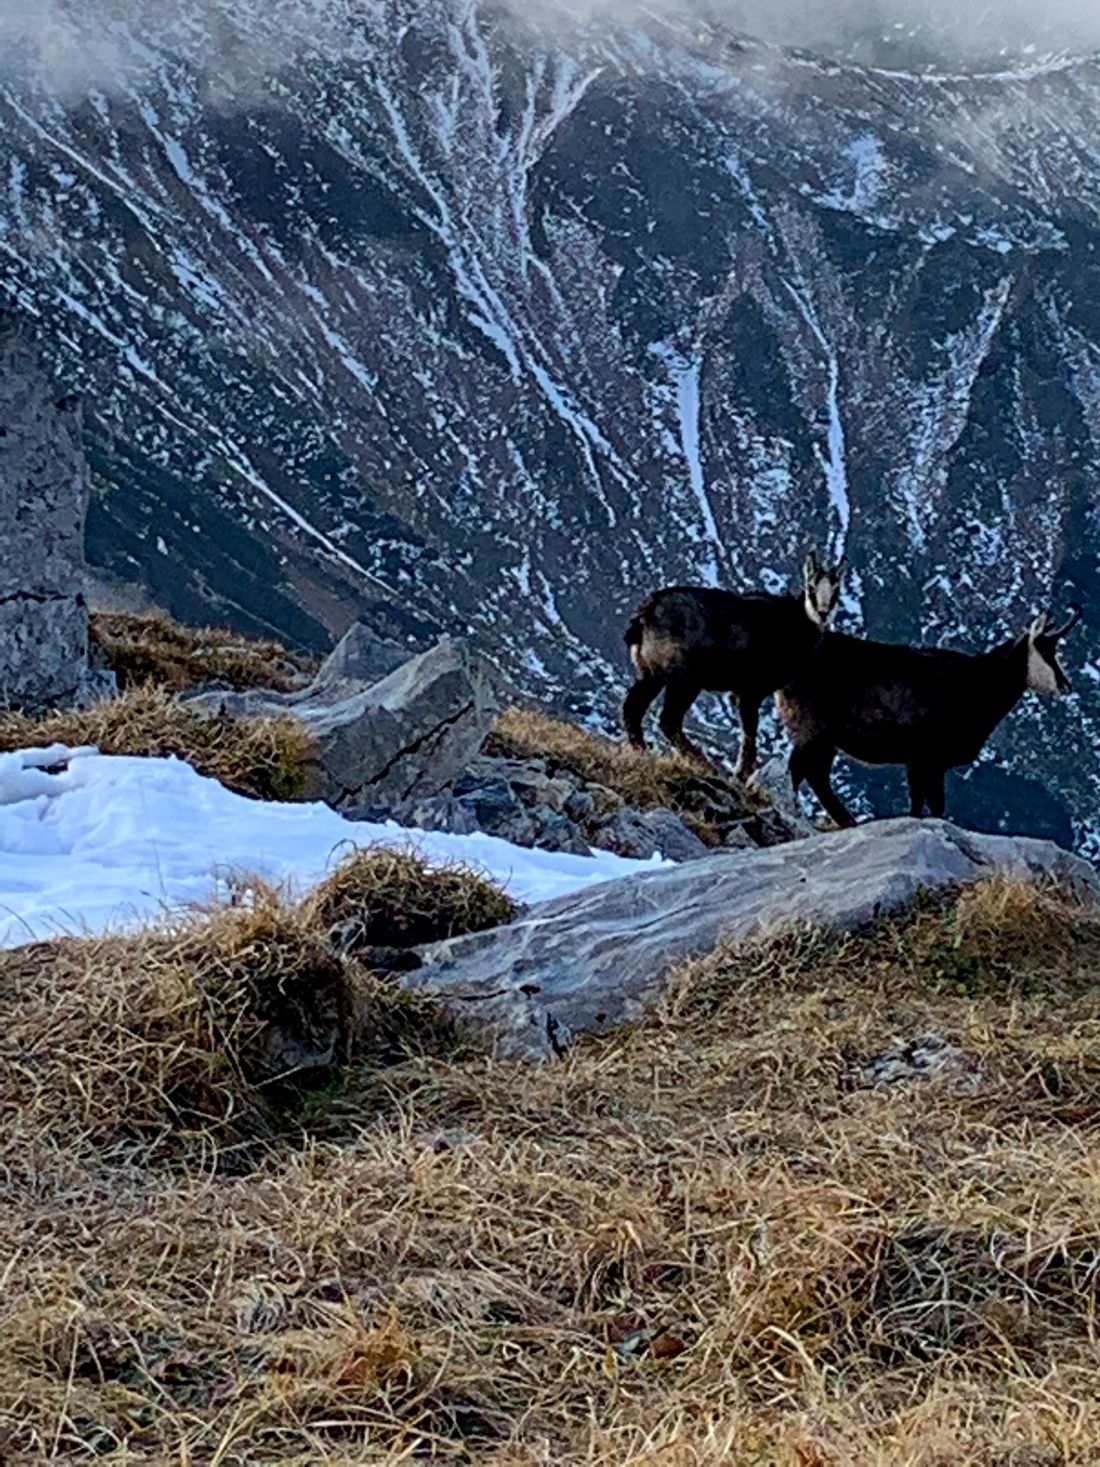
[91,843]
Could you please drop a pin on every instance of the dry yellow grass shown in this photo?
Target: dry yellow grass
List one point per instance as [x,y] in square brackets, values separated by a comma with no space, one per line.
[709,1241]
[642,778]
[382,897]
[159,651]
[265,757]
[160,1041]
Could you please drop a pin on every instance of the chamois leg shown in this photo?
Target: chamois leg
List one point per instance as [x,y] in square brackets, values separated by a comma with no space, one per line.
[814,763]
[748,711]
[918,787]
[679,697]
[933,793]
[637,703]
[925,790]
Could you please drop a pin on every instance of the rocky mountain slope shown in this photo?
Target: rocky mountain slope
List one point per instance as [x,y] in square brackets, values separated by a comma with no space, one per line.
[427,313]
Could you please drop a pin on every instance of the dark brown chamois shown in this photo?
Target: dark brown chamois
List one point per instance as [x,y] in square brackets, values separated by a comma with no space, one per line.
[693,639]
[927,708]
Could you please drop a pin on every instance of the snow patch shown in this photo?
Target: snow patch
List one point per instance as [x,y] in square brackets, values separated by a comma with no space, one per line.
[869,173]
[835,464]
[111,843]
[685,373]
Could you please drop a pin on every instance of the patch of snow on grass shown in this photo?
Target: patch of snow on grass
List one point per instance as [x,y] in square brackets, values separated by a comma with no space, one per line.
[112,843]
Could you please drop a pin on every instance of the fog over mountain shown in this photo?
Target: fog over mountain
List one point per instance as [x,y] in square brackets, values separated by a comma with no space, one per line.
[922,32]
[73,48]
[466,317]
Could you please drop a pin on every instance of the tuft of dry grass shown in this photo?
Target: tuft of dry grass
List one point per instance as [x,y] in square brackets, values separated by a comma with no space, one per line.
[380,897]
[715,1239]
[179,1040]
[163,1039]
[642,778]
[155,650]
[268,758]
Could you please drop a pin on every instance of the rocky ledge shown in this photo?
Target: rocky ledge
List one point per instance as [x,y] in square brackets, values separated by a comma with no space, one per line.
[403,738]
[599,959]
[532,803]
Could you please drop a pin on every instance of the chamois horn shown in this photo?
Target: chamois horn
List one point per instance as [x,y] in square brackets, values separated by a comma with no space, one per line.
[1076,613]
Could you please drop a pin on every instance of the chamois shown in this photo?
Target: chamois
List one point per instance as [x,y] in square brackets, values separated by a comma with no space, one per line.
[927,708]
[691,639]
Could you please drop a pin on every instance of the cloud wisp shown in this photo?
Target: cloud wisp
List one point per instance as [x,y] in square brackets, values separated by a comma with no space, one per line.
[77,46]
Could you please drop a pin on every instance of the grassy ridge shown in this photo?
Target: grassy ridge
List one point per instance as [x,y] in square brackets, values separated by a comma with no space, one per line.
[159,651]
[711,1240]
[268,758]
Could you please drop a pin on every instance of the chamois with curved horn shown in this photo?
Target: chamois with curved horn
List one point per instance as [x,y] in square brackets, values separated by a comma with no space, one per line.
[929,709]
[692,639]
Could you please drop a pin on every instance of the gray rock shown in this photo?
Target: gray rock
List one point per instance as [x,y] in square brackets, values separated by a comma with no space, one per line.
[930,1058]
[519,802]
[437,812]
[607,800]
[529,783]
[737,838]
[580,806]
[556,832]
[371,814]
[361,657]
[773,779]
[548,793]
[98,685]
[486,766]
[644,833]
[601,957]
[403,739]
[491,800]
[43,504]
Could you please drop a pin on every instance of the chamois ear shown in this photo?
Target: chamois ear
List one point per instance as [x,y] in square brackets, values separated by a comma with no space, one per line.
[810,569]
[1038,626]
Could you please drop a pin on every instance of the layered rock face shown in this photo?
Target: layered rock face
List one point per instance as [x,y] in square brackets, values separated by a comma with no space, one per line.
[43,504]
[380,740]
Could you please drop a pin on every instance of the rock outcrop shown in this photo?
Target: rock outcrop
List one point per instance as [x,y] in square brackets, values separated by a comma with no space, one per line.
[383,743]
[536,802]
[601,958]
[521,801]
[773,780]
[362,657]
[43,504]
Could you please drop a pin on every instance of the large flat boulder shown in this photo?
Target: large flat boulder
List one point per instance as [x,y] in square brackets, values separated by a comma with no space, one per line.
[403,738]
[599,959]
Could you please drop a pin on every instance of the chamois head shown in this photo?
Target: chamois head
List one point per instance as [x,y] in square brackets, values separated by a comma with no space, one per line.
[821,588]
[1044,672]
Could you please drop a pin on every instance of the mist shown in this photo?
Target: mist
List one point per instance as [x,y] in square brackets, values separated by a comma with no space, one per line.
[76,46]
[919,33]
[73,47]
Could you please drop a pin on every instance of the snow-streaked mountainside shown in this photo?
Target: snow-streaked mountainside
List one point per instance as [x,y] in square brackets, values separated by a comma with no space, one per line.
[425,314]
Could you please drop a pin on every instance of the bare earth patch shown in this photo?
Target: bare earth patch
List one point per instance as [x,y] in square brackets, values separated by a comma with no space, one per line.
[717,1239]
